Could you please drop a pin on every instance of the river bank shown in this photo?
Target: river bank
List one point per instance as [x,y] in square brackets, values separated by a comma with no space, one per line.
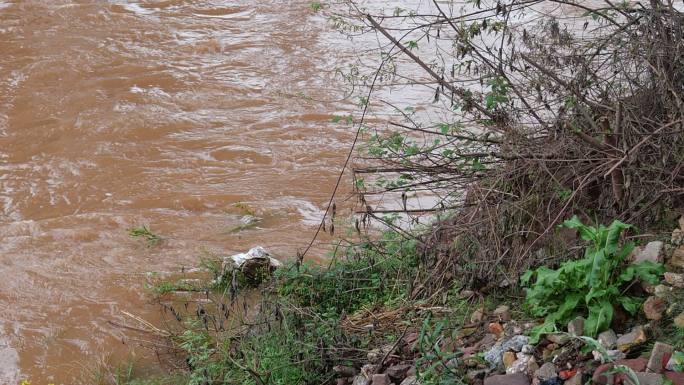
[357,322]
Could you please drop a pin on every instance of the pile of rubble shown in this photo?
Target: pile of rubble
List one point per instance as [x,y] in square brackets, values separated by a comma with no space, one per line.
[494,350]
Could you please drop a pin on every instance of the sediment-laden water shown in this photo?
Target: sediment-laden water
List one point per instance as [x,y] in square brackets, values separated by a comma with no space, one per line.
[180,115]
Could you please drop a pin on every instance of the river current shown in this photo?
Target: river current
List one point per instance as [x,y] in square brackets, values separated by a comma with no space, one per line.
[181,115]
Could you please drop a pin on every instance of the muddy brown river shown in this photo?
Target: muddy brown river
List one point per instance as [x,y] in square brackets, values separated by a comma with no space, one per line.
[181,115]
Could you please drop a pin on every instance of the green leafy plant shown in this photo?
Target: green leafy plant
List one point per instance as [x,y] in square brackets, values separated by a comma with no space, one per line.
[589,286]
[144,232]
[498,93]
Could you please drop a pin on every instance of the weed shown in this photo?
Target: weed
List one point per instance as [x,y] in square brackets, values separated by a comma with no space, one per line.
[380,276]
[144,232]
[589,286]
[437,365]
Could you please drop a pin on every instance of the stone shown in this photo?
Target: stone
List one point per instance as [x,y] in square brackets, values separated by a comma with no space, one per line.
[674,279]
[508,359]
[477,316]
[567,374]
[374,356]
[660,355]
[486,342]
[552,381]
[647,379]
[602,376]
[613,355]
[493,356]
[677,237]
[564,354]
[398,371]
[608,339]
[558,338]
[411,380]
[515,343]
[576,326]
[345,371]
[508,379]
[662,291]
[524,364]
[677,259]
[648,288]
[679,321]
[502,313]
[530,325]
[360,380]
[653,251]
[546,372]
[411,341]
[675,363]
[368,370]
[636,364]
[677,378]
[575,380]
[548,351]
[381,379]
[527,349]
[496,329]
[654,308]
[342,381]
[635,337]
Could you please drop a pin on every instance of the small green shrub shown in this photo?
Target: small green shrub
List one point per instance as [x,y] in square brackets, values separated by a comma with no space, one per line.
[290,352]
[372,277]
[437,365]
[589,286]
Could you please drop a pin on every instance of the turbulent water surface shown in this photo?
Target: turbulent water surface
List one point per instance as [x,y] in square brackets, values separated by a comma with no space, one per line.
[183,115]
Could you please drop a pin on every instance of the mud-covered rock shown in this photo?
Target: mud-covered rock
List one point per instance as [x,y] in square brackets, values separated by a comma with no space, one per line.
[674,279]
[660,354]
[654,308]
[635,337]
[608,339]
[576,326]
[652,251]
[546,371]
[381,379]
[502,313]
[508,379]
